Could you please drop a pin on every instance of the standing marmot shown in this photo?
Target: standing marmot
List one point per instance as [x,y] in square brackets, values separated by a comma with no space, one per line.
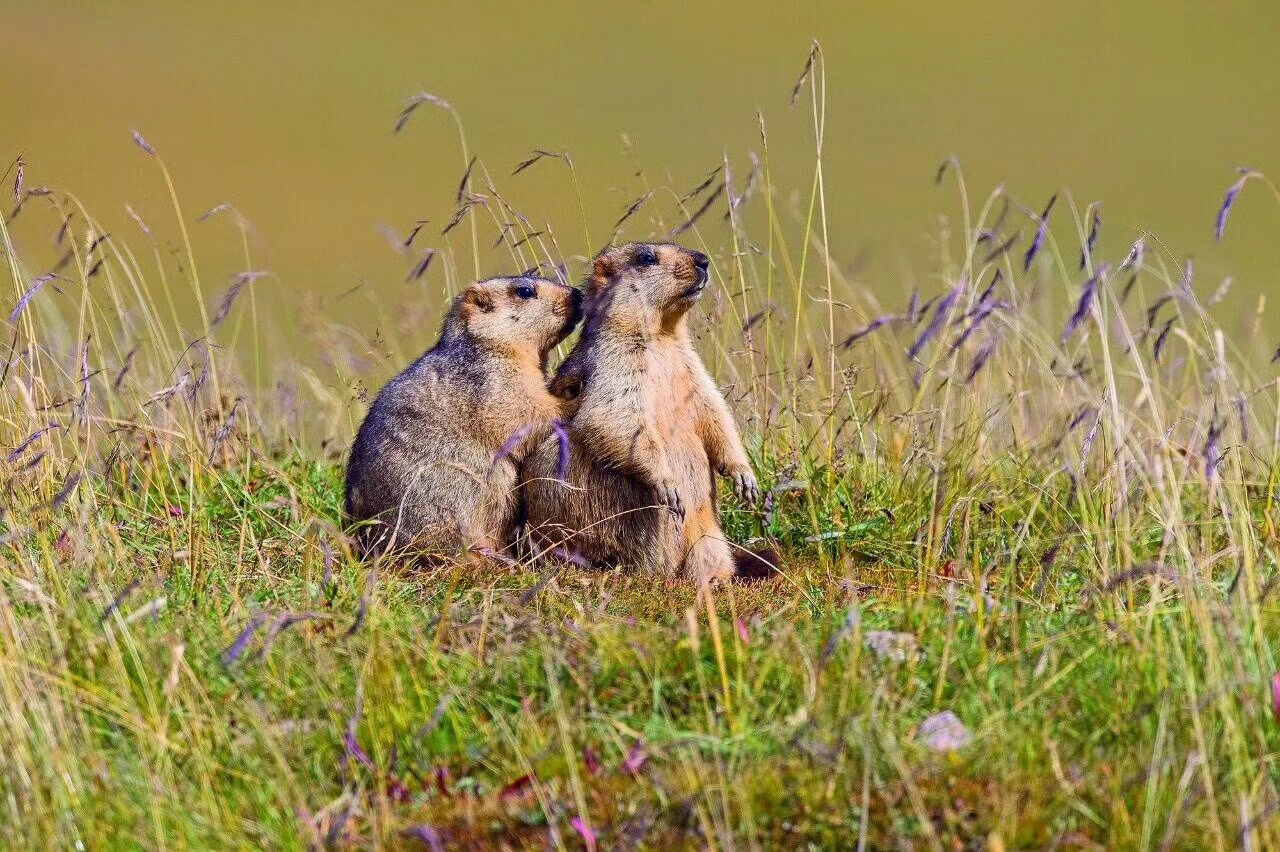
[649,428]
[425,462]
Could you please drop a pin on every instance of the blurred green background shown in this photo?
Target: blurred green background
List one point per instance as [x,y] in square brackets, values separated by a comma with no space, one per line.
[286,111]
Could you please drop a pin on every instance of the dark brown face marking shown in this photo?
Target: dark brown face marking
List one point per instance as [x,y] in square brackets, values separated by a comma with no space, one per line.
[602,271]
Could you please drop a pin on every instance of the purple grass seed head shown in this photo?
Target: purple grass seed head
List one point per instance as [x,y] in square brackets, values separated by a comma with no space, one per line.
[1233,192]
[36,284]
[1242,412]
[940,315]
[1136,253]
[876,323]
[584,831]
[143,144]
[17,451]
[1085,304]
[980,359]
[353,749]
[509,446]
[415,102]
[636,758]
[1161,338]
[561,432]
[1091,242]
[236,648]
[428,835]
[1037,242]
[572,557]
[1213,448]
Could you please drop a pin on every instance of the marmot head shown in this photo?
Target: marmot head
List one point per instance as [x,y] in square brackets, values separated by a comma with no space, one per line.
[519,316]
[663,277]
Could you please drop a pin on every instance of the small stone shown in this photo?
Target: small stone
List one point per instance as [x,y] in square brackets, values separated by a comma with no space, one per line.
[890,645]
[944,732]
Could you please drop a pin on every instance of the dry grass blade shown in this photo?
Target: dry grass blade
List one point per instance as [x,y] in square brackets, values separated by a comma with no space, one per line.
[132,215]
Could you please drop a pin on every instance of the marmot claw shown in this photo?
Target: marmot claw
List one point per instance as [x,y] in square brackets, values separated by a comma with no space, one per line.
[745,487]
[669,496]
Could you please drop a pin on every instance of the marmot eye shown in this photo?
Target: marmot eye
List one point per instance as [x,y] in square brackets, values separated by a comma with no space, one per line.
[524,291]
[646,257]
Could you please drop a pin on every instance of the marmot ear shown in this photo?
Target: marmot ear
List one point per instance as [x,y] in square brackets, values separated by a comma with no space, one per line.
[480,299]
[601,272]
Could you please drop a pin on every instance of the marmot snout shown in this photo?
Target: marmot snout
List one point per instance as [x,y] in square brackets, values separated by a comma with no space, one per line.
[434,464]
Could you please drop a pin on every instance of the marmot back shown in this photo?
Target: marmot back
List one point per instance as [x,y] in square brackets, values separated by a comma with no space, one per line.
[434,464]
[648,430]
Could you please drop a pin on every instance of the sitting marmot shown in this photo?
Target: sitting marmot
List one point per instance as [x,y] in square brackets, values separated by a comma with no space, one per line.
[648,428]
[434,465]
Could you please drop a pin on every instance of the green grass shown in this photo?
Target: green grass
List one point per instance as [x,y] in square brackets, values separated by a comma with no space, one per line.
[1081,539]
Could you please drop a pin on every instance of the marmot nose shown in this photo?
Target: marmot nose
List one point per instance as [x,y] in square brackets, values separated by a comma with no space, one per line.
[700,260]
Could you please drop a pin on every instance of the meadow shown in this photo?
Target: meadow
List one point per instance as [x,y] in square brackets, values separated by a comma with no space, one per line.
[1027,514]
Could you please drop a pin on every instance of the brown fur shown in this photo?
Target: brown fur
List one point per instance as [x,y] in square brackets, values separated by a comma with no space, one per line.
[434,464]
[648,430]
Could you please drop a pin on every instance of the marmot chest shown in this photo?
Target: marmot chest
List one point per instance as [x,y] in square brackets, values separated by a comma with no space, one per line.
[670,397]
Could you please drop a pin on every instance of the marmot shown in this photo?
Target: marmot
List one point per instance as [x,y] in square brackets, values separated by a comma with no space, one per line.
[435,463]
[648,428]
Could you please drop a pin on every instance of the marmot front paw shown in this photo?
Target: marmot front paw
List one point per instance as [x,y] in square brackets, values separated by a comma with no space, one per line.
[745,487]
[668,495]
